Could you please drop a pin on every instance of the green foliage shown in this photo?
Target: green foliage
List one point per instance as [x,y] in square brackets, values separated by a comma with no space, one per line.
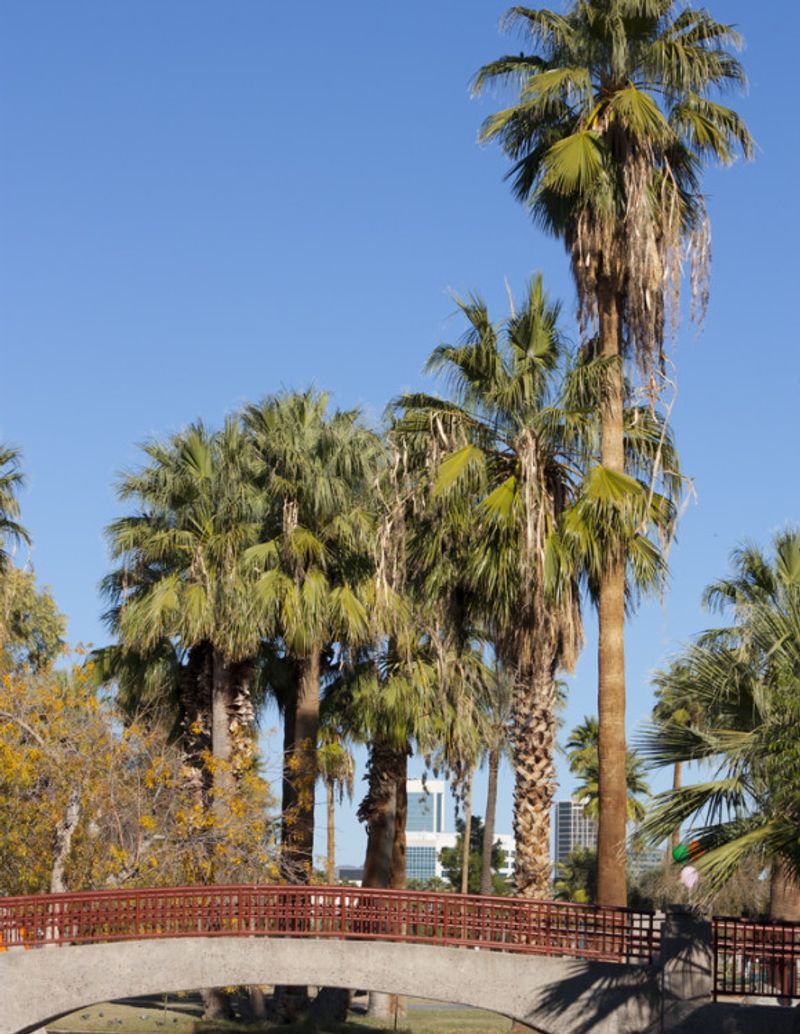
[741,683]
[615,111]
[452,860]
[32,628]
[581,750]
[745,893]
[576,878]
[11,480]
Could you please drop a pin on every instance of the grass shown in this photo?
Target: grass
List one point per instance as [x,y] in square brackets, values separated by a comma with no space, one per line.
[175,1014]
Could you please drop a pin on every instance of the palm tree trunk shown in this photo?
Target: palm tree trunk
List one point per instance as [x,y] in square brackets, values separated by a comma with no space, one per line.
[534,733]
[221,739]
[330,802]
[467,835]
[398,877]
[396,1003]
[611,885]
[305,753]
[488,828]
[784,894]
[784,903]
[379,811]
[289,787]
[675,835]
[62,841]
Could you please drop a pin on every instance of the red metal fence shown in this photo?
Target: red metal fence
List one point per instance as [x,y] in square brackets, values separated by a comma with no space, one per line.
[495,923]
[754,958]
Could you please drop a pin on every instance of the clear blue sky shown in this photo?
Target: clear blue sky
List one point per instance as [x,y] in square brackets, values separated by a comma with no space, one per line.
[203,202]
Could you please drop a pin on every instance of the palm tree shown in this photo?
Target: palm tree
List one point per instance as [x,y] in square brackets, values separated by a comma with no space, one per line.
[315,471]
[337,768]
[497,743]
[502,463]
[184,608]
[581,749]
[613,122]
[184,578]
[745,682]
[11,480]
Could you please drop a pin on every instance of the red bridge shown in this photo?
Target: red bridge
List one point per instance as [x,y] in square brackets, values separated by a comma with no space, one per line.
[608,967]
[456,920]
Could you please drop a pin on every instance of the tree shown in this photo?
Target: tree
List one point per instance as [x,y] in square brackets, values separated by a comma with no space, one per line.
[185,577]
[32,628]
[315,471]
[501,455]
[581,749]
[613,122]
[576,877]
[11,480]
[89,798]
[337,768]
[452,859]
[498,705]
[745,681]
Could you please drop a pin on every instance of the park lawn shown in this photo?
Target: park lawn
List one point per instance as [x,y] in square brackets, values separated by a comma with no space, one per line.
[175,1014]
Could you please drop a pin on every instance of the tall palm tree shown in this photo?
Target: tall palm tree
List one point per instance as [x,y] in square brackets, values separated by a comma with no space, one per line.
[502,460]
[745,681]
[315,471]
[613,121]
[11,480]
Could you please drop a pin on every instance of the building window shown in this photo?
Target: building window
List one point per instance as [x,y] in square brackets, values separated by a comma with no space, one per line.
[420,863]
[422,809]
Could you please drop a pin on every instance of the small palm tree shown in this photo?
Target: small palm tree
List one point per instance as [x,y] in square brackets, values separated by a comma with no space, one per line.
[614,118]
[337,769]
[744,679]
[11,480]
[581,749]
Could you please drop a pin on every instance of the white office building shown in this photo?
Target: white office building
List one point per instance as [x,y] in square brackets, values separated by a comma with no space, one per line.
[509,846]
[425,835]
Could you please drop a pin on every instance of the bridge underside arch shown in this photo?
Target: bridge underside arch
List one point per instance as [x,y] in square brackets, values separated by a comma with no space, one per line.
[552,995]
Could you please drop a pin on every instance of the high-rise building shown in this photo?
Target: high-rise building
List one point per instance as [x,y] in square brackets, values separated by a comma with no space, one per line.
[425,836]
[425,806]
[573,828]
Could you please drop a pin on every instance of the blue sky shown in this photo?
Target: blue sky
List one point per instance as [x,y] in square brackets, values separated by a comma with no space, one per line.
[203,202]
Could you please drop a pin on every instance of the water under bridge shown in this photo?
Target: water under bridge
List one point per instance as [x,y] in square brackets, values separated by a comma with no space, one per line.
[555,966]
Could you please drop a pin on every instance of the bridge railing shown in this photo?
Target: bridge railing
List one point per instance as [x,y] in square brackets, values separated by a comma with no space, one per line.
[493,923]
[753,958]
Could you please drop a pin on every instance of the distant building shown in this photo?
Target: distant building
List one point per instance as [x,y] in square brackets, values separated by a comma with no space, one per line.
[573,828]
[425,805]
[640,862]
[425,835]
[509,846]
[350,874]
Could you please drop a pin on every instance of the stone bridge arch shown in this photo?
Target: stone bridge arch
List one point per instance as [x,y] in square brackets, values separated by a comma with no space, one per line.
[553,995]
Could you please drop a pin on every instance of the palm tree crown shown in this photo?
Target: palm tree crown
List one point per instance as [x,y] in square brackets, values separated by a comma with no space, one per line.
[616,113]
